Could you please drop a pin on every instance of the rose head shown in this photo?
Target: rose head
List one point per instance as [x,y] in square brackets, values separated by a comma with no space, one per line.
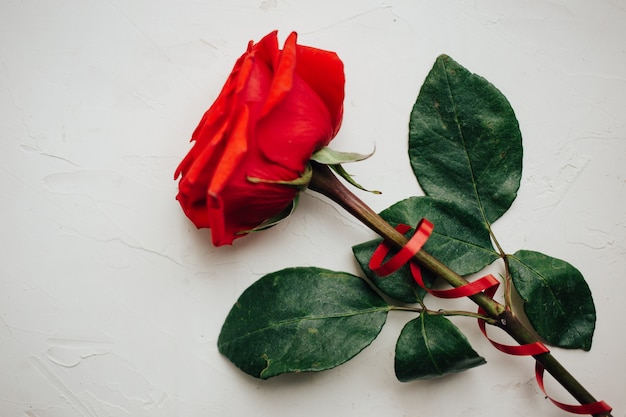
[276,109]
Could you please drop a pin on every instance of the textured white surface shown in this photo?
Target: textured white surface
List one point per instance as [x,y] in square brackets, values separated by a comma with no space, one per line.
[111,302]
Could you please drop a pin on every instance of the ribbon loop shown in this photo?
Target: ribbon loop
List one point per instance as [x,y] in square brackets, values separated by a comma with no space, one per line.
[530,349]
[481,284]
[423,230]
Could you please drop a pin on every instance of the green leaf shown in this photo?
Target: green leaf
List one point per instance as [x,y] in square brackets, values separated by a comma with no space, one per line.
[464,141]
[459,240]
[430,346]
[557,300]
[301,319]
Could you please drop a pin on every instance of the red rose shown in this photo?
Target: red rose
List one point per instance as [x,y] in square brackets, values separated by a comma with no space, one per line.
[276,109]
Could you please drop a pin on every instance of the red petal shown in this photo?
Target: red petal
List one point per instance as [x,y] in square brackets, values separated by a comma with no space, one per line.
[323,71]
[295,128]
[234,150]
[283,75]
[244,205]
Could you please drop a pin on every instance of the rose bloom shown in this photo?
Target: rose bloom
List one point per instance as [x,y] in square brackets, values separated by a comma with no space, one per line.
[276,109]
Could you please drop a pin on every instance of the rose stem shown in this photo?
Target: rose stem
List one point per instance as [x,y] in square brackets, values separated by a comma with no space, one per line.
[326,183]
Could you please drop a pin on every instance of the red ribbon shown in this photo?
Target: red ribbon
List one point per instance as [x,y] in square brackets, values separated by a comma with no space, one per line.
[593,408]
[422,233]
[487,284]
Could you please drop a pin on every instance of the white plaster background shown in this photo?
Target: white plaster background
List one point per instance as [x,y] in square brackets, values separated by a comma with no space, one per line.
[111,302]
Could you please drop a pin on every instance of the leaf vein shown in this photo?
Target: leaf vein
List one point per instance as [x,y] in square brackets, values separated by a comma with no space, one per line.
[481,209]
[283,323]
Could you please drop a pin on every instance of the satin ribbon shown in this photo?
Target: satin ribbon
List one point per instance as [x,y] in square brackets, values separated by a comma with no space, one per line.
[487,284]
[593,408]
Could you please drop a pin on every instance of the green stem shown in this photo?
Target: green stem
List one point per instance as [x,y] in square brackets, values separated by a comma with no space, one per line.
[326,183]
[445,313]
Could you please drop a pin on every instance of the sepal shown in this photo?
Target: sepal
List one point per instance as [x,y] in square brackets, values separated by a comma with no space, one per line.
[301,182]
[274,220]
[334,159]
[328,156]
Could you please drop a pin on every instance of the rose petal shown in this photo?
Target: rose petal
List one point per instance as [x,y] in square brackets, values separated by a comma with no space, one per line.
[298,126]
[234,150]
[195,210]
[323,71]
[231,213]
[283,75]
